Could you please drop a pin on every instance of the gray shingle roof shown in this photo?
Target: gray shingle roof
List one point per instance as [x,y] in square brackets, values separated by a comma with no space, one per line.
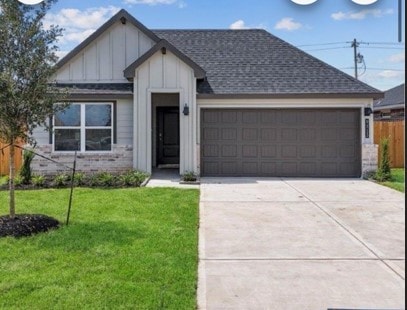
[256,62]
[392,97]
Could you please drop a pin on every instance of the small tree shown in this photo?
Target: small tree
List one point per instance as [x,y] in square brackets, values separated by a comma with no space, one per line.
[384,172]
[27,63]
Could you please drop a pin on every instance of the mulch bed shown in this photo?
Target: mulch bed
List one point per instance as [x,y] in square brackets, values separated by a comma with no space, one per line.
[23,225]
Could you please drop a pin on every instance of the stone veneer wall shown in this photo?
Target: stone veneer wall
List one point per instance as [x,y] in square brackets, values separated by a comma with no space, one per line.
[370,158]
[119,160]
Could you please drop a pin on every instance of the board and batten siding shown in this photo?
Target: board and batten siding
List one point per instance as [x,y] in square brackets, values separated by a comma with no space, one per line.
[164,74]
[106,57]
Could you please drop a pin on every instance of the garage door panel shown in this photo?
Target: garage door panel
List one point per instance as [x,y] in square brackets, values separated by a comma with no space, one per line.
[211,150]
[268,134]
[229,133]
[229,168]
[229,151]
[280,142]
[249,134]
[288,169]
[329,151]
[268,117]
[307,134]
[329,134]
[249,167]
[268,168]
[289,134]
[229,116]
[308,168]
[268,151]
[210,134]
[307,151]
[250,117]
[289,151]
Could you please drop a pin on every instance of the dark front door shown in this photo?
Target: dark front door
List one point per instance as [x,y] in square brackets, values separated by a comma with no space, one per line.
[167,135]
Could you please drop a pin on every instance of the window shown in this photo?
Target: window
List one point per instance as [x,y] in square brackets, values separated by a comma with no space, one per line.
[84,127]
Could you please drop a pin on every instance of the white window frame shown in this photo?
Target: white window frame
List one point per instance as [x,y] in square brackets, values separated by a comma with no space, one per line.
[82,128]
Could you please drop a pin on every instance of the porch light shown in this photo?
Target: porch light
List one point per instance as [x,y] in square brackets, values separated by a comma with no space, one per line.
[186,110]
[368,111]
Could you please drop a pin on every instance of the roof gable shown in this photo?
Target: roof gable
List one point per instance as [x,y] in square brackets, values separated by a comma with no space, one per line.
[163,45]
[122,16]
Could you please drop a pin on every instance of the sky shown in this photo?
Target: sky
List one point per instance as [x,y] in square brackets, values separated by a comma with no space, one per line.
[324,29]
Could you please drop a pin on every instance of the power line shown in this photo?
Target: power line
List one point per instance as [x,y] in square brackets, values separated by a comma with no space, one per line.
[389,69]
[319,44]
[325,49]
[385,48]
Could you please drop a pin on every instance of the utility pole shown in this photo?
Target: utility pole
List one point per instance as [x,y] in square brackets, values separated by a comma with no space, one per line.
[355,44]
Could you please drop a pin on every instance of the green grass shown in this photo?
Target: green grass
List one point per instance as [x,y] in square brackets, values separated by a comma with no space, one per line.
[397,180]
[123,249]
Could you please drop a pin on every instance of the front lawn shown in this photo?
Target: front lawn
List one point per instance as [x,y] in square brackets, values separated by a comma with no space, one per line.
[123,249]
[397,180]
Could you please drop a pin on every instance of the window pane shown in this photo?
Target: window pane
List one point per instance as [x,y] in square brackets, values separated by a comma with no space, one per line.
[67,139]
[71,116]
[98,115]
[98,139]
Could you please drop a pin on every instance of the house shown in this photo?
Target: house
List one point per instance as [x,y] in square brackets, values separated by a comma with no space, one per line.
[215,102]
[391,107]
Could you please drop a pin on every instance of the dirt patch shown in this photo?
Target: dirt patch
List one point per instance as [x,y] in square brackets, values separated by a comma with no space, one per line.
[23,225]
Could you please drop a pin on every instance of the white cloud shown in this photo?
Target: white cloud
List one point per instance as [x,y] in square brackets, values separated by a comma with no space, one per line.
[360,14]
[150,2]
[239,24]
[79,24]
[397,58]
[390,74]
[288,23]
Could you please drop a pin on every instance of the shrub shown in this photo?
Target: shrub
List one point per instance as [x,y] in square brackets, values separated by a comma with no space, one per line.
[18,180]
[133,178]
[38,180]
[189,176]
[61,180]
[79,179]
[104,179]
[25,172]
[384,172]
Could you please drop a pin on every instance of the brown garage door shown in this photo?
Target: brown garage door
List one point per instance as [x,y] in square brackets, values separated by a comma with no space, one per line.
[281,142]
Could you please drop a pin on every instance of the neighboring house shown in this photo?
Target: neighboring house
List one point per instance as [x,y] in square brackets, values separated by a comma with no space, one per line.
[216,102]
[391,107]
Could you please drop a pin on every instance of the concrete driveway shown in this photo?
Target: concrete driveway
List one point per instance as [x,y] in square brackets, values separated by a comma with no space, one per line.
[300,244]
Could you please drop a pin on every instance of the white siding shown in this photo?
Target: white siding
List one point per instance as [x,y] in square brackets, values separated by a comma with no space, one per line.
[105,59]
[124,122]
[164,74]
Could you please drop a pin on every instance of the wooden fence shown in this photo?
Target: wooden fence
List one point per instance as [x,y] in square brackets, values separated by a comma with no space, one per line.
[394,131]
[5,157]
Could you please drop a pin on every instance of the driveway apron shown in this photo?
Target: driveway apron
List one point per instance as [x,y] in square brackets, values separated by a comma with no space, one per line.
[300,244]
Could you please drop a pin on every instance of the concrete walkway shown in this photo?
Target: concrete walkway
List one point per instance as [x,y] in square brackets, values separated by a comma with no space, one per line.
[300,244]
[168,178]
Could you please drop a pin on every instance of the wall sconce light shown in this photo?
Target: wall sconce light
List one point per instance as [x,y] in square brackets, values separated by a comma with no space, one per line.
[368,111]
[123,20]
[163,50]
[186,110]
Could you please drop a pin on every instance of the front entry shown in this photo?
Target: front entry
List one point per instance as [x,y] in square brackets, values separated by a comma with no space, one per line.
[167,136]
